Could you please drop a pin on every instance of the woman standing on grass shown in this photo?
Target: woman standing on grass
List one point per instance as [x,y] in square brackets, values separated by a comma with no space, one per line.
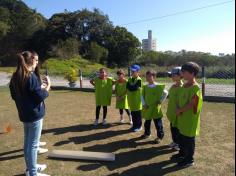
[29,94]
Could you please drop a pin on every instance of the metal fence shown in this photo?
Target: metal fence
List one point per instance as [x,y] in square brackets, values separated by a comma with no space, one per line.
[218,83]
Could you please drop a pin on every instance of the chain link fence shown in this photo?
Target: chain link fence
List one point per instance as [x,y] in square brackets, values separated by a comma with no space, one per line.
[219,82]
[215,82]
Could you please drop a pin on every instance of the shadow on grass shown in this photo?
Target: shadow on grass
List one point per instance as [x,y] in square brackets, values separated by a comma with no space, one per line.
[126,159]
[158,169]
[9,155]
[77,128]
[92,137]
[117,145]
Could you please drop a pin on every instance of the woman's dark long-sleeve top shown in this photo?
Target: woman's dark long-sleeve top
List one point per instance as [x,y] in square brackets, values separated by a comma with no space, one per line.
[30,104]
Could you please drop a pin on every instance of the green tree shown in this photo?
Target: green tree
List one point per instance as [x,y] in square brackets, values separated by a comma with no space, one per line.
[18,23]
[65,49]
[123,47]
[97,53]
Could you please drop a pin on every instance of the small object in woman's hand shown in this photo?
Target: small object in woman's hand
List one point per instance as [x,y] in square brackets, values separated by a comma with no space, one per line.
[44,80]
[46,72]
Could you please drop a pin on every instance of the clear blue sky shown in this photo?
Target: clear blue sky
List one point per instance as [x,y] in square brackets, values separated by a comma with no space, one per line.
[209,30]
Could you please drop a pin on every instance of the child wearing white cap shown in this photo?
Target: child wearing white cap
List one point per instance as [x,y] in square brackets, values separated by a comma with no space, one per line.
[175,75]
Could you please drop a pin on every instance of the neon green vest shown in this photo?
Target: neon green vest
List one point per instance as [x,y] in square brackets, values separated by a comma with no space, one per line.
[121,91]
[172,105]
[103,91]
[151,97]
[188,122]
[134,97]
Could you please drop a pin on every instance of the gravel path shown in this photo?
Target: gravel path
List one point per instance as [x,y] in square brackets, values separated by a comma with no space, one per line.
[211,89]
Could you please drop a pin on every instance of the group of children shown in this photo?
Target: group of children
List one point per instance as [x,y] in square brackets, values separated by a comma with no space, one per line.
[141,100]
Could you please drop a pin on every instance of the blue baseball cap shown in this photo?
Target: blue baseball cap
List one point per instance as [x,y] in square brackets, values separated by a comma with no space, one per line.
[135,68]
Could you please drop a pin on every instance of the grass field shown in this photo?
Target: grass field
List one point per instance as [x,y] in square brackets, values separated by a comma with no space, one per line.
[7,69]
[68,126]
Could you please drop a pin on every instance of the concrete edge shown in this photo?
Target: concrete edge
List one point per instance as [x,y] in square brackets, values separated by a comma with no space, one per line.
[219,99]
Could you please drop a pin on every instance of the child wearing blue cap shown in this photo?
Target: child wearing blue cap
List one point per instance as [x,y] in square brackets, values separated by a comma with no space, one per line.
[134,93]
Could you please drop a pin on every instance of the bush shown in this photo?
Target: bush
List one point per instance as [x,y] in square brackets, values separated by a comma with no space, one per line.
[61,67]
[71,75]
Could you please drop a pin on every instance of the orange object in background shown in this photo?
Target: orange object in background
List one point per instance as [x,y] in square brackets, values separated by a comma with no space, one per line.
[7,129]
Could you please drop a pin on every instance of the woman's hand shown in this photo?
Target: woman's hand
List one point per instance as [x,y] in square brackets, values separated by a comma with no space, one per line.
[46,83]
[43,86]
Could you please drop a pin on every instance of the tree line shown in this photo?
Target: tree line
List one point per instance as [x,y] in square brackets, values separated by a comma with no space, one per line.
[89,34]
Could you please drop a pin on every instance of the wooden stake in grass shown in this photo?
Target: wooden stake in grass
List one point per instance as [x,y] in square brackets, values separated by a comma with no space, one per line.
[82,155]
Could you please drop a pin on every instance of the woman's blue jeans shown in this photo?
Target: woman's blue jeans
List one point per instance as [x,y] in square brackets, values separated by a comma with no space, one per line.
[32,133]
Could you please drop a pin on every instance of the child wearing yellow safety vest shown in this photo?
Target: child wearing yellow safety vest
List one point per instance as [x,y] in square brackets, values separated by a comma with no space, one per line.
[121,96]
[103,93]
[189,106]
[176,77]
[134,92]
[152,97]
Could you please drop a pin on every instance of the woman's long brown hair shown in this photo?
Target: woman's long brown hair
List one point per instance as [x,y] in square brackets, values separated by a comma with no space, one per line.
[37,69]
[22,73]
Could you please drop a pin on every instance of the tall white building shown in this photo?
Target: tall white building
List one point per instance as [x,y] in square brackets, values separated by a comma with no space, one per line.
[149,44]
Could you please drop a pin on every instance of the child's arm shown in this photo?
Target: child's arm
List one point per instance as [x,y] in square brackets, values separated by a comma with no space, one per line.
[145,106]
[163,97]
[134,87]
[144,103]
[192,105]
[92,82]
[113,81]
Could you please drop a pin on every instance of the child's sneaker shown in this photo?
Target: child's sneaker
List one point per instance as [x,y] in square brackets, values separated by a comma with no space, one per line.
[130,120]
[172,144]
[95,123]
[41,167]
[157,141]
[42,144]
[138,129]
[177,156]
[176,147]
[122,120]
[42,150]
[185,164]
[104,122]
